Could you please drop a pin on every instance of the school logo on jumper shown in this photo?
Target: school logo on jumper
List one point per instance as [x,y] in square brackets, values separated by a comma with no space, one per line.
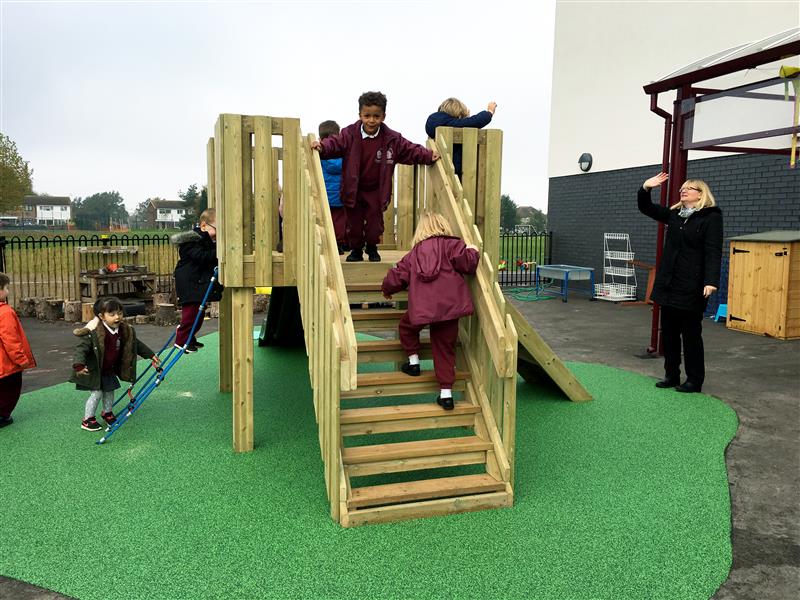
[378,155]
[389,155]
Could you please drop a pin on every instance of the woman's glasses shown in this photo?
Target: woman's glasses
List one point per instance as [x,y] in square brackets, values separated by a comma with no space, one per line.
[686,189]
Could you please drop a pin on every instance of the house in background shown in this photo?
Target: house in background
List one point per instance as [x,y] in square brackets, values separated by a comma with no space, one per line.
[165,214]
[44,210]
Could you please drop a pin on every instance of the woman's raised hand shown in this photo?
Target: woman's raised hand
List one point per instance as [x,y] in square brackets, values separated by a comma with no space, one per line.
[492,107]
[655,181]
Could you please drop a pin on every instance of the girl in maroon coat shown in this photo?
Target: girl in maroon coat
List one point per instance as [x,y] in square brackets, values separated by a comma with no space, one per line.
[433,272]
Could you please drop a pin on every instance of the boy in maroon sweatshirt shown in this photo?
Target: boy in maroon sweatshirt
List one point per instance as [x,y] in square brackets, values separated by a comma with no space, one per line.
[433,272]
[369,152]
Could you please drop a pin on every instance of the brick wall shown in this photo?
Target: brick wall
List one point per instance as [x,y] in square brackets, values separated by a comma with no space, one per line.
[755,192]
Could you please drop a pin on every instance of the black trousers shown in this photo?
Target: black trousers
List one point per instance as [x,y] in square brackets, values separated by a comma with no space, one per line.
[686,325]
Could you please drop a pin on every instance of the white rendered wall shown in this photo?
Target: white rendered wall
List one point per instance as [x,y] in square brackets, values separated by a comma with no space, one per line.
[606,51]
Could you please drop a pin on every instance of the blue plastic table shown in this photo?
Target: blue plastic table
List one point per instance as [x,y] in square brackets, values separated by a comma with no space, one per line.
[564,273]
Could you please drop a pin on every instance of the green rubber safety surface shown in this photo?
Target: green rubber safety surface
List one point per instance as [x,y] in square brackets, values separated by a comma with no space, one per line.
[623,497]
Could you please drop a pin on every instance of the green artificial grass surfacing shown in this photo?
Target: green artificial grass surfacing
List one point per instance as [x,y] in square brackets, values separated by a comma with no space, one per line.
[622,497]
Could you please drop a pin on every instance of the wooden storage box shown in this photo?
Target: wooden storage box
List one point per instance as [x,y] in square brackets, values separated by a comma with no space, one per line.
[764,284]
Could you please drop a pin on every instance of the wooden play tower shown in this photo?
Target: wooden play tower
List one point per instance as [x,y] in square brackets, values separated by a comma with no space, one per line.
[246,171]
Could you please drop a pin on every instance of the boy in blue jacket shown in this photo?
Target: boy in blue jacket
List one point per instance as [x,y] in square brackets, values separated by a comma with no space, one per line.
[332,173]
[454,113]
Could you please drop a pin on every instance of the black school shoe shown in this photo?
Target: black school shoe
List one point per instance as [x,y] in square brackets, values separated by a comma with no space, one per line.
[410,369]
[197,344]
[356,255]
[372,253]
[667,383]
[5,421]
[688,387]
[445,403]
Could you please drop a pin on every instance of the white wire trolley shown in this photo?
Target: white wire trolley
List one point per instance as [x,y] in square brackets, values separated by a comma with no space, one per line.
[619,276]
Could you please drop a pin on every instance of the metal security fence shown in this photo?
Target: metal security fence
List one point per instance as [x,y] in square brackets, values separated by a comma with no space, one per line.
[46,267]
[520,254]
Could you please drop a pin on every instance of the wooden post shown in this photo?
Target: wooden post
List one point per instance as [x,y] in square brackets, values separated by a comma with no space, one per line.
[242,342]
[225,347]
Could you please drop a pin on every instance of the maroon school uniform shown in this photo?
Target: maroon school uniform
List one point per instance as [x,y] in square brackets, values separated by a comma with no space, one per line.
[367,169]
[433,272]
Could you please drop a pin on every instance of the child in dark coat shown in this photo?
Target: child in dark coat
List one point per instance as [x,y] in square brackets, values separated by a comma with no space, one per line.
[15,355]
[106,350]
[198,257]
[369,152]
[454,113]
[332,174]
[433,272]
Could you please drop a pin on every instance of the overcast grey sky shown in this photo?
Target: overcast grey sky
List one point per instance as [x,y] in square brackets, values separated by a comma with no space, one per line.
[102,96]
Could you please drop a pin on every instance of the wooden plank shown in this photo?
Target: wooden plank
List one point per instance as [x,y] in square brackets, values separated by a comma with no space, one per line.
[248,212]
[476,394]
[356,297]
[491,225]
[443,420]
[219,195]
[510,402]
[225,342]
[546,358]
[403,411]
[400,450]
[211,187]
[265,203]
[372,314]
[429,508]
[391,378]
[416,464]
[412,491]
[291,196]
[277,192]
[400,389]
[242,338]
[405,206]
[469,167]
[231,242]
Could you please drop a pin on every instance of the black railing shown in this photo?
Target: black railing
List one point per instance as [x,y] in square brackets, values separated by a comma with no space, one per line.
[49,267]
[519,255]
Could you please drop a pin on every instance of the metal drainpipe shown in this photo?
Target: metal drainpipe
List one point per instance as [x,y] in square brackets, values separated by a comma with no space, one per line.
[654,346]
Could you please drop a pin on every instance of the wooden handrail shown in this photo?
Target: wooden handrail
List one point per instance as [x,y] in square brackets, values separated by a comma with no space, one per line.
[489,303]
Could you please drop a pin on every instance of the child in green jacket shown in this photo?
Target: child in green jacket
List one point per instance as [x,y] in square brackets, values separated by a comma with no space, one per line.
[106,351]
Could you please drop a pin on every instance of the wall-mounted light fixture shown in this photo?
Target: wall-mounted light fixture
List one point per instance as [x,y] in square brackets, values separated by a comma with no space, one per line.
[585,162]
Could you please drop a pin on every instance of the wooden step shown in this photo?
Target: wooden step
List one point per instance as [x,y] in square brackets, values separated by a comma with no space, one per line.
[370,292]
[397,383]
[370,272]
[376,319]
[379,351]
[403,450]
[427,508]
[405,417]
[427,489]
[421,463]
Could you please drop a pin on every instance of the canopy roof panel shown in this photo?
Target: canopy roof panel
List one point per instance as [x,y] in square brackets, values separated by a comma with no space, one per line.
[737,58]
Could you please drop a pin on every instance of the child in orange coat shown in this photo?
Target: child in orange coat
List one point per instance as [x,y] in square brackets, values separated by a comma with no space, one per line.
[15,355]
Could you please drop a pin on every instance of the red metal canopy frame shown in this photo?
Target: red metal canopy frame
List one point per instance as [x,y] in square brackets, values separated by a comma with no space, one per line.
[677,144]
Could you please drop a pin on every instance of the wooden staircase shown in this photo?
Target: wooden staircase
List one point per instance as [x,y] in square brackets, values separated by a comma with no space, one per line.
[454,468]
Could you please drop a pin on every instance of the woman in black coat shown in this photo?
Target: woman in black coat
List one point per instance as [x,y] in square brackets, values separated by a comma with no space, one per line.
[687,276]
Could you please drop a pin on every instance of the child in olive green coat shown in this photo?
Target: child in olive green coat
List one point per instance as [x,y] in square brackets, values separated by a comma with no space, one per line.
[106,350]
